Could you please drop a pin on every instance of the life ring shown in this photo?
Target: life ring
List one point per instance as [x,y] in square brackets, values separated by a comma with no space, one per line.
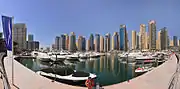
[89,83]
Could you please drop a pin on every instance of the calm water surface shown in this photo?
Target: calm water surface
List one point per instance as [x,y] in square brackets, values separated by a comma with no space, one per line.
[108,69]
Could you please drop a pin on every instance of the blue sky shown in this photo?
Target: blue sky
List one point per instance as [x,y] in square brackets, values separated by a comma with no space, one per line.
[49,18]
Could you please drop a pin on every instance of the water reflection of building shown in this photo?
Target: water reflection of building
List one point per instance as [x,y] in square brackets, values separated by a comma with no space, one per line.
[108,64]
[102,63]
[89,66]
[115,65]
[112,62]
[80,66]
[96,66]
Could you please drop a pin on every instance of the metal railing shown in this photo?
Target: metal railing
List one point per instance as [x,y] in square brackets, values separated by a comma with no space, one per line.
[174,82]
[3,72]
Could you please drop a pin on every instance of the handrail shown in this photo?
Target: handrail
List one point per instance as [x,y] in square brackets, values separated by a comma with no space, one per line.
[174,79]
[3,72]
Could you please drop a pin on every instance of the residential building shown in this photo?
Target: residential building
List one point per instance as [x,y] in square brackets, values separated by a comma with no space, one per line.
[133,40]
[87,44]
[62,42]
[142,36]
[152,35]
[115,41]
[107,42]
[138,41]
[30,37]
[97,43]
[67,41]
[57,43]
[1,35]
[19,34]
[91,42]
[175,41]
[72,42]
[123,38]
[101,44]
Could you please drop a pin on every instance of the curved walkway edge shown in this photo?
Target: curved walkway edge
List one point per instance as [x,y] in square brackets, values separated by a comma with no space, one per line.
[158,78]
[25,78]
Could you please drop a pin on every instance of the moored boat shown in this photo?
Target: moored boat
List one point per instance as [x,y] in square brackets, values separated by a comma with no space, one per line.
[66,75]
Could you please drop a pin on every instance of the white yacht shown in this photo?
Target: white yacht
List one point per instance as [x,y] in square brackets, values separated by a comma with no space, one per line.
[143,69]
[58,57]
[72,57]
[83,55]
[130,55]
[94,55]
[41,56]
[66,75]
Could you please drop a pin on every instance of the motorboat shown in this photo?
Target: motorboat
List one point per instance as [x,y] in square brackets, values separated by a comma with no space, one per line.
[145,58]
[72,57]
[71,62]
[94,55]
[130,60]
[83,56]
[41,56]
[143,69]
[58,57]
[66,75]
[102,54]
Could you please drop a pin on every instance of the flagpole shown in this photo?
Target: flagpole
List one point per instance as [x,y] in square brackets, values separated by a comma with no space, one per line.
[12,51]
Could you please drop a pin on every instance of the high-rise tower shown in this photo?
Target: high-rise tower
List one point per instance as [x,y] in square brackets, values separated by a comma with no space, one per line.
[134,39]
[152,35]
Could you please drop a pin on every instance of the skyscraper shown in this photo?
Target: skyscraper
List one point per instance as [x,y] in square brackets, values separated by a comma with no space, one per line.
[79,46]
[30,37]
[72,42]
[1,35]
[158,41]
[19,34]
[91,42]
[107,42]
[163,40]
[87,44]
[97,42]
[67,41]
[142,36]
[57,43]
[152,35]
[63,42]
[171,43]
[146,41]
[123,38]
[115,41]
[83,44]
[175,40]
[137,41]
[101,44]
[32,45]
[134,39]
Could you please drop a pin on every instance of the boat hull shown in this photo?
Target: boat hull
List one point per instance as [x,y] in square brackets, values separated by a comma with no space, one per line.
[70,82]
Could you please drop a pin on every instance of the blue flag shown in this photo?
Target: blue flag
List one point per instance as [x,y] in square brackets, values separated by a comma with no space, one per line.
[7,30]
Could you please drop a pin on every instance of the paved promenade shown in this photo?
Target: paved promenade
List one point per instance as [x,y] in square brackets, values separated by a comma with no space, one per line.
[158,78]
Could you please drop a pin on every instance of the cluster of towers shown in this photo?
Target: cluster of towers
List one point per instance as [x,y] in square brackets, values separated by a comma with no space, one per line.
[97,42]
[142,40]
[150,40]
